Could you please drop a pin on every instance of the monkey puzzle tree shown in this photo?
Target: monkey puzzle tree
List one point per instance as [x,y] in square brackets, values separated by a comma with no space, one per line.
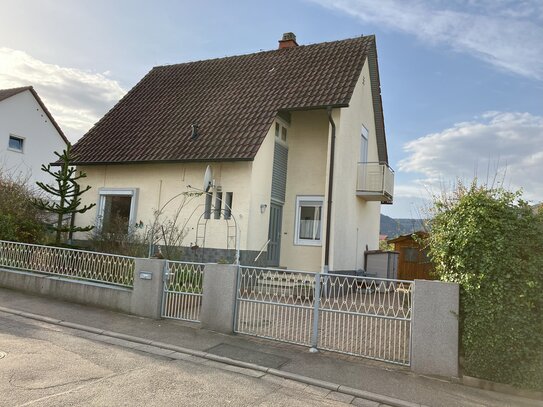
[66,193]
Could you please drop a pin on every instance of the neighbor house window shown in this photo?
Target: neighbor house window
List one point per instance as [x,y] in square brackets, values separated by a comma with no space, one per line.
[309,220]
[116,210]
[16,143]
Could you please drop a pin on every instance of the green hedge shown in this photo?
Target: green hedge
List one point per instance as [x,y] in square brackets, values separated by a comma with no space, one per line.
[491,242]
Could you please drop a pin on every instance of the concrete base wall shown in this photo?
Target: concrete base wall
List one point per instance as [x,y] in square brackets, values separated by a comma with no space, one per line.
[80,292]
[144,299]
[434,333]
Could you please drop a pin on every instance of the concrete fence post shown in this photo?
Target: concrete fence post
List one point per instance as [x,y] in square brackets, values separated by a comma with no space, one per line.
[434,334]
[219,297]
[146,298]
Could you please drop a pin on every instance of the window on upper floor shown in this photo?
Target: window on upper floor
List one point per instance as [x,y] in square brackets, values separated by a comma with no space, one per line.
[364,135]
[281,132]
[16,143]
[308,220]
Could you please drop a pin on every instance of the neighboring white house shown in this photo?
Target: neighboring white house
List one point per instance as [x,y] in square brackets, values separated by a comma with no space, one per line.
[269,125]
[29,135]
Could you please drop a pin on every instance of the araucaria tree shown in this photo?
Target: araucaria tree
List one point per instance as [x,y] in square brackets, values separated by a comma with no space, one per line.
[66,193]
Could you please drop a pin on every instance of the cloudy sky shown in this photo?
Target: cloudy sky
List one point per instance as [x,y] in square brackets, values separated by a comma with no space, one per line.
[462,80]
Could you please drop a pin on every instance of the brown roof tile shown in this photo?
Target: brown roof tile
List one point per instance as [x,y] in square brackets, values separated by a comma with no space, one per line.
[233,100]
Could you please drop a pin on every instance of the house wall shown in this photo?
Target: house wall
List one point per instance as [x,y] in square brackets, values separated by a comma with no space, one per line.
[159,183]
[22,116]
[355,222]
[306,174]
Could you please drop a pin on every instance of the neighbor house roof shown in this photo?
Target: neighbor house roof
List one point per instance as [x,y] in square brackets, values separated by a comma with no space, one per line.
[233,100]
[7,93]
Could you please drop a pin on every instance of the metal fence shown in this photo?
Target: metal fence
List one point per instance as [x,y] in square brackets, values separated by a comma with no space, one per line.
[355,315]
[78,264]
[182,297]
[275,304]
[366,317]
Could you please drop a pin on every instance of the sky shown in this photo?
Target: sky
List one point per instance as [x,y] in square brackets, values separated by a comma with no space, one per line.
[461,80]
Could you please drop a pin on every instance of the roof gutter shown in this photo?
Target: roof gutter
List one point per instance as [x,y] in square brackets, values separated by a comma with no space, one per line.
[330,189]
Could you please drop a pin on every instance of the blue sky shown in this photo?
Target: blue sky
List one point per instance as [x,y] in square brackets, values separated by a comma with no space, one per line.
[462,80]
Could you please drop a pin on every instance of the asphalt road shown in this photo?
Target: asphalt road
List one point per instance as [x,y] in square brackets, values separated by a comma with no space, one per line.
[47,365]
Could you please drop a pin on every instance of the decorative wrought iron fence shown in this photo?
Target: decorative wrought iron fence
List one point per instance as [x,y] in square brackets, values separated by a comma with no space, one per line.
[360,316]
[275,304]
[366,317]
[78,264]
[183,282]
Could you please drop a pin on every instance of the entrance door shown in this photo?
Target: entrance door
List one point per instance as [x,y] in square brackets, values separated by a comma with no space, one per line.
[274,234]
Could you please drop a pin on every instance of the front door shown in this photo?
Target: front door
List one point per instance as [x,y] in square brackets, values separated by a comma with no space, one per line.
[274,234]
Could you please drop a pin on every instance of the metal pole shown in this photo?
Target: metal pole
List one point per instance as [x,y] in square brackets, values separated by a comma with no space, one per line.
[316,306]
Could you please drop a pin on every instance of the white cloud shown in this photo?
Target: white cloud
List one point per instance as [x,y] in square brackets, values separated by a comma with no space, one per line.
[505,33]
[75,98]
[506,144]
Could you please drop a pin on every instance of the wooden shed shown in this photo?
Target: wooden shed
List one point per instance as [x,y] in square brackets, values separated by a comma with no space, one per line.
[413,262]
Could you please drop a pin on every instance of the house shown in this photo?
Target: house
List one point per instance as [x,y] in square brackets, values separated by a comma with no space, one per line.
[413,261]
[294,139]
[29,135]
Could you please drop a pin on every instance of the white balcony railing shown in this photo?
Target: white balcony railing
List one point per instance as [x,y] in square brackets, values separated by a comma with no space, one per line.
[375,182]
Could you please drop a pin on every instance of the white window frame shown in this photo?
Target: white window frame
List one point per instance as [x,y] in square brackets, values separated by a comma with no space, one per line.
[103,192]
[364,143]
[23,139]
[282,124]
[300,200]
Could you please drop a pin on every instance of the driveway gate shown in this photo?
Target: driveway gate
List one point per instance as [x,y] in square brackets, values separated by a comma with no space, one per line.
[182,294]
[360,316]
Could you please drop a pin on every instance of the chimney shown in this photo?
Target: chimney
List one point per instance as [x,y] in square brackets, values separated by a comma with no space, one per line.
[288,41]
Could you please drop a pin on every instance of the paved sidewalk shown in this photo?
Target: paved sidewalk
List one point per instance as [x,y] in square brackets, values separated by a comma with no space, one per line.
[357,373]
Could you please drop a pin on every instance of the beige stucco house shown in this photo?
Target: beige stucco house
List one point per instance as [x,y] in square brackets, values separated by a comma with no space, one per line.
[294,139]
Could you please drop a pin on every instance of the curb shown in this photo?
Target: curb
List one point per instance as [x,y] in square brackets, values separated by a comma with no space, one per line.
[220,359]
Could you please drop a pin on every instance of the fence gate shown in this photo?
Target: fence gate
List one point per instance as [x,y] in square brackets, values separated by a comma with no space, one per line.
[182,294]
[360,316]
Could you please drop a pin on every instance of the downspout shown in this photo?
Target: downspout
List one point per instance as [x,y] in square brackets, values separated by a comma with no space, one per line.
[330,189]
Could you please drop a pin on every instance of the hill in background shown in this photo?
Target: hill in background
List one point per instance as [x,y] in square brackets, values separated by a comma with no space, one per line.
[394,227]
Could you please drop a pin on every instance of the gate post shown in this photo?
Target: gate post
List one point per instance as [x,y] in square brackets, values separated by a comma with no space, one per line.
[219,295]
[434,333]
[316,306]
[146,299]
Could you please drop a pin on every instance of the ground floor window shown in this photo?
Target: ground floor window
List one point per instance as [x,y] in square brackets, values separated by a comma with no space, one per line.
[309,220]
[116,210]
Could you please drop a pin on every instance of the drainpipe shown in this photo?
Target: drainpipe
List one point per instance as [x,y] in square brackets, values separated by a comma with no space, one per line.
[330,188]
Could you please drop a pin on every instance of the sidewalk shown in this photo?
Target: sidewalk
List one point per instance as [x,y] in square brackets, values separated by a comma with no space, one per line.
[375,377]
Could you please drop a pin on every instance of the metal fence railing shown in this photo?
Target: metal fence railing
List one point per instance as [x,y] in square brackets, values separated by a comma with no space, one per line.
[182,297]
[275,304]
[360,316]
[78,264]
[366,317]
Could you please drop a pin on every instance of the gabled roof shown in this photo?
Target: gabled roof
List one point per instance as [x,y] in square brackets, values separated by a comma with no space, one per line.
[7,93]
[233,101]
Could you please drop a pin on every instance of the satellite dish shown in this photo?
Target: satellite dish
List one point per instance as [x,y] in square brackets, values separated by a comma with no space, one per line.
[208,179]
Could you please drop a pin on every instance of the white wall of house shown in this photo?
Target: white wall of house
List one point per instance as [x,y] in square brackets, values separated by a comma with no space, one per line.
[21,116]
[306,176]
[355,222]
[156,184]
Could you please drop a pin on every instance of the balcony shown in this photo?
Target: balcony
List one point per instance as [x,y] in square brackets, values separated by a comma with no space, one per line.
[375,182]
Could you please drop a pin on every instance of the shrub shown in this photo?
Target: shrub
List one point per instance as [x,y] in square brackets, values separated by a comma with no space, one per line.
[490,242]
[20,221]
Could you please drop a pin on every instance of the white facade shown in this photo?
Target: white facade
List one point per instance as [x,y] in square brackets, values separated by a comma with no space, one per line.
[28,138]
